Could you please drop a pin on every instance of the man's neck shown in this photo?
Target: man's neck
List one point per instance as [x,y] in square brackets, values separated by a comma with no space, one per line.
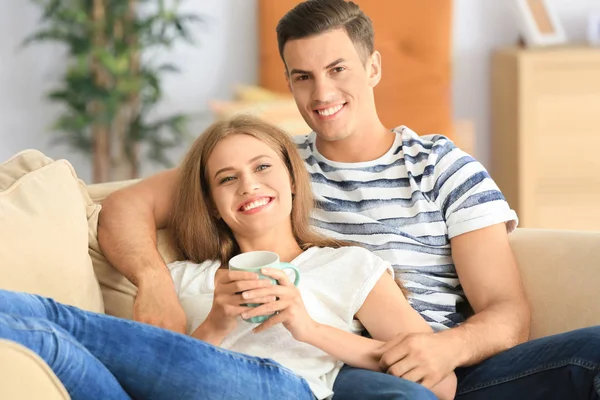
[366,145]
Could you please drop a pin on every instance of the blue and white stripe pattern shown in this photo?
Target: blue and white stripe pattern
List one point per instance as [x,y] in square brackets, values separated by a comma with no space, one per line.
[405,207]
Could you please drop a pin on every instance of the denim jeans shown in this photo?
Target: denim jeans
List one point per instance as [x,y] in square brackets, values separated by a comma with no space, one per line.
[565,366]
[360,384]
[101,357]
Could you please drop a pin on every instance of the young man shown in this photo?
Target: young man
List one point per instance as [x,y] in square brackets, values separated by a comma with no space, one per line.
[418,202]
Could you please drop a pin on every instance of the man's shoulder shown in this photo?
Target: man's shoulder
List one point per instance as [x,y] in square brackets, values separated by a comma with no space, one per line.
[431,152]
[423,143]
[302,141]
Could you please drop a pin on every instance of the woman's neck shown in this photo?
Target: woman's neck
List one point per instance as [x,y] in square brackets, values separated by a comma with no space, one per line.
[285,245]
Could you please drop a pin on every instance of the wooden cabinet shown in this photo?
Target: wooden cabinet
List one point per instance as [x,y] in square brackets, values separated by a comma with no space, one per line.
[546,135]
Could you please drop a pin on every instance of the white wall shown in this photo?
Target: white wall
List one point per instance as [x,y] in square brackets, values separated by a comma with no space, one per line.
[480,26]
[226,55]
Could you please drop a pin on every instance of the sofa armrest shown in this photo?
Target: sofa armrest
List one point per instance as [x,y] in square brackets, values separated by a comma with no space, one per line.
[561,275]
[26,376]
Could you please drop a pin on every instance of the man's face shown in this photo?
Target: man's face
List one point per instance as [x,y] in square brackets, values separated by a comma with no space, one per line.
[332,86]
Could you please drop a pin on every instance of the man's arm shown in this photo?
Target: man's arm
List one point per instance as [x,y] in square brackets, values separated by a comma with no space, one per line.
[490,278]
[127,236]
[491,281]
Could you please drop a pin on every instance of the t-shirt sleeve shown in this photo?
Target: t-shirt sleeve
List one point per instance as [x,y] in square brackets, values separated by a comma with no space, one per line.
[192,279]
[467,196]
[373,268]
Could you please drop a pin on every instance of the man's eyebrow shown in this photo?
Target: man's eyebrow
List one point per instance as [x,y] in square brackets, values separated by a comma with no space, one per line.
[333,64]
[299,71]
[330,65]
[249,162]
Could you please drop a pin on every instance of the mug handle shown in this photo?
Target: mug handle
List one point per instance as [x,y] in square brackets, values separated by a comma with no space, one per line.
[286,265]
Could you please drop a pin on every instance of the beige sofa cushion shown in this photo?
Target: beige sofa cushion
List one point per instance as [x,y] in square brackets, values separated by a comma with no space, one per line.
[25,376]
[561,275]
[44,211]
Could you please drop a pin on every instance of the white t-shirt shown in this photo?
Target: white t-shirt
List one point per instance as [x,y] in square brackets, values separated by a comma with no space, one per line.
[334,283]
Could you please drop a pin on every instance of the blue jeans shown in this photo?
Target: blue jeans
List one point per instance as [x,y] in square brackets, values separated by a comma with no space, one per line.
[361,384]
[565,366]
[101,357]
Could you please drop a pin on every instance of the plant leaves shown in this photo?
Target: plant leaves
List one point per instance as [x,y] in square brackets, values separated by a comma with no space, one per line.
[105,74]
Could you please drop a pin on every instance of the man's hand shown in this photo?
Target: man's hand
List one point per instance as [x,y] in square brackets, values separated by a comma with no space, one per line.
[425,358]
[157,304]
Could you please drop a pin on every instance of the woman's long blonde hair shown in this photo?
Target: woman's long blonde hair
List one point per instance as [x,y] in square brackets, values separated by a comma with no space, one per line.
[199,234]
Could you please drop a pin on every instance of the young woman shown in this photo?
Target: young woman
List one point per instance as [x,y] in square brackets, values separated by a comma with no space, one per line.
[243,188]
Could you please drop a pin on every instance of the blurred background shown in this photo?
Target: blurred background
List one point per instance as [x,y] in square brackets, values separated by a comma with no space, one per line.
[458,60]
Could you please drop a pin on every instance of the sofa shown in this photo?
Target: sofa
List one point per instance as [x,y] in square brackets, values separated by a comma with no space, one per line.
[48,246]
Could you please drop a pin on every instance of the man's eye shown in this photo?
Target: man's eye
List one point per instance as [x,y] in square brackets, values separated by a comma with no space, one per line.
[262,167]
[301,77]
[338,69]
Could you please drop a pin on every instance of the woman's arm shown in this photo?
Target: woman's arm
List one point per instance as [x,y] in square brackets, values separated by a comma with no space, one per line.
[361,352]
[208,333]
[386,314]
[354,350]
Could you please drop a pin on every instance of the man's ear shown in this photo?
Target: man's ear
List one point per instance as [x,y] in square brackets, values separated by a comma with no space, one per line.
[374,68]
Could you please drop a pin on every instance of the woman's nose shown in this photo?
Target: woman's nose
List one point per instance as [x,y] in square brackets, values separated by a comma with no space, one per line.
[248,185]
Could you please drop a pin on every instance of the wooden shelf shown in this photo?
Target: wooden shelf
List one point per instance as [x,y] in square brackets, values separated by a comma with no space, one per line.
[546,135]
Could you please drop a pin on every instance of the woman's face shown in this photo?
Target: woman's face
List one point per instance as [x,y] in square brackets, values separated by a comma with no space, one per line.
[249,185]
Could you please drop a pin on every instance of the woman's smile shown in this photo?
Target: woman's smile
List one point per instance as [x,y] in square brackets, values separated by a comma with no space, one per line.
[255,204]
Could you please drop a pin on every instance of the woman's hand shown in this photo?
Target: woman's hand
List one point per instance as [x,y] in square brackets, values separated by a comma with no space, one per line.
[228,301]
[289,306]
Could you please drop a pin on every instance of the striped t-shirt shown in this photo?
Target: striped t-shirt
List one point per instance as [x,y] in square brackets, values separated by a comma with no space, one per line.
[405,207]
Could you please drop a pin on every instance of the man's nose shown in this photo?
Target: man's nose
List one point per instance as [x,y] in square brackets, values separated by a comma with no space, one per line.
[323,90]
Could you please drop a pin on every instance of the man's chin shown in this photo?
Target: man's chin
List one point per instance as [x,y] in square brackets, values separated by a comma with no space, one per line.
[330,136]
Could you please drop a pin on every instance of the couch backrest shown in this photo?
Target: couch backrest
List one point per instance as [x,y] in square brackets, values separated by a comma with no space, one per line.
[561,275]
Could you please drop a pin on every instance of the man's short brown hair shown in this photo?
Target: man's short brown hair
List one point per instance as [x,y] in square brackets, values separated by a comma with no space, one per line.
[313,17]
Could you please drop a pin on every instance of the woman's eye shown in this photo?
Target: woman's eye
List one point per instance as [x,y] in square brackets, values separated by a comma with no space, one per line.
[262,167]
[226,179]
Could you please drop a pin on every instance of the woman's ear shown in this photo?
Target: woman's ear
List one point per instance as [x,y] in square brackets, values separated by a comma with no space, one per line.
[374,68]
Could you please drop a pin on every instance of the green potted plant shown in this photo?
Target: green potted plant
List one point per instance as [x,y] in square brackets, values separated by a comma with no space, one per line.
[109,88]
